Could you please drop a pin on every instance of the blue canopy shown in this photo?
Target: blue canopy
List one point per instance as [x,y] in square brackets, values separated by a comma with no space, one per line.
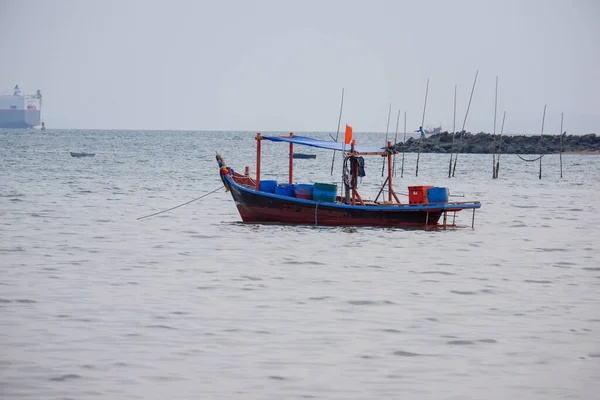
[324,144]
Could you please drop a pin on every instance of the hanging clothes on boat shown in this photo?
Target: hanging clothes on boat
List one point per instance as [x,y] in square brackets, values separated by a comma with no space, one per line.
[357,164]
[356,169]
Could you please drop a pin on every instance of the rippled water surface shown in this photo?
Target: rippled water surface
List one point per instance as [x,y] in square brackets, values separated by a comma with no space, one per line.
[190,304]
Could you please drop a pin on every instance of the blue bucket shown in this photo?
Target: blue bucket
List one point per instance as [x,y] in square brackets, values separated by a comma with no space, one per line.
[268,186]
[285,189]
[437,195]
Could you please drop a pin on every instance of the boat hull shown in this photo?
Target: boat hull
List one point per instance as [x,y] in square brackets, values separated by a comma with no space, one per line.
[259,207]
[19,119]
[78,155]
[304,156]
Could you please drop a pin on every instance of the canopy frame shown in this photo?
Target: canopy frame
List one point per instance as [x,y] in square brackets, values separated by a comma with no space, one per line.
[353,151]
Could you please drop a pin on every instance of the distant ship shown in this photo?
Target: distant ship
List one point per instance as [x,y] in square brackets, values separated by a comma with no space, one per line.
[20,111]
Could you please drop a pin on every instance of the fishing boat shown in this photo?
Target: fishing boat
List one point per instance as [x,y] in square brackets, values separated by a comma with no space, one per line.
[267,201]
[73,154]
[304,156]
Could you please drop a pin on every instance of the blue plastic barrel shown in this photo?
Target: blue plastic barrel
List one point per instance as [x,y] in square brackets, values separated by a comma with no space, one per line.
[268,186]
[437,195]
[324,192]
[285,189]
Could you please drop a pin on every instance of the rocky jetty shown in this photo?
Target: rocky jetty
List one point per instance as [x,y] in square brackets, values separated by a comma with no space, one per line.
[482,143]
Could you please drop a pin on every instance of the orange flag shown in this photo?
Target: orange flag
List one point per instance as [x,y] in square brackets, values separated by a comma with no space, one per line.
[348,138]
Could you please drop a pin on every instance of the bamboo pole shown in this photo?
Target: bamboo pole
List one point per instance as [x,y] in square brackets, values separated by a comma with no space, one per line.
[453,135]
[494,134]
[403,147]
[500,145]
[338,129]
[396,141]
[562,135]
[465,121]
[387,129]
[541,137]
[421,129]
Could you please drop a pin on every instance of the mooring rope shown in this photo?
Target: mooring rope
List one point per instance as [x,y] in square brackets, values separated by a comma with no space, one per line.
[316,208]
[535,159]
[181,205]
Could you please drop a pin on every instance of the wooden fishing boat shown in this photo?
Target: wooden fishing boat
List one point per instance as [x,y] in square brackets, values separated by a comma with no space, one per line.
[304,156]
[73,154]
[269,202]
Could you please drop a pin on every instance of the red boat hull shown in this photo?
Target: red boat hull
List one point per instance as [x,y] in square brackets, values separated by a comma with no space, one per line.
[259,207]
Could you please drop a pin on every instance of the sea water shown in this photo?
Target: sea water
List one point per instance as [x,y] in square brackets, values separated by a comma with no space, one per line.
[193,304]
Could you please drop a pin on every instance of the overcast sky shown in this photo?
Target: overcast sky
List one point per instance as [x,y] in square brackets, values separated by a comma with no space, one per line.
[281,65]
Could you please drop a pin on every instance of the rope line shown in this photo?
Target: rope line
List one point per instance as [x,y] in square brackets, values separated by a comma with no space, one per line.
[535,159]
[181,205]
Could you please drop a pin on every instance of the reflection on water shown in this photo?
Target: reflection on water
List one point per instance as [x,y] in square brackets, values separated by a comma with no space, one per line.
[193,304]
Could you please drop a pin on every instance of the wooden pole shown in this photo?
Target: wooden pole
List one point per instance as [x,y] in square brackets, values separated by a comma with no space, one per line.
[291,167]
[500,145]
[403,147]
[465,121]
[390,190]
[387,129]
[338,129]
[421,129]
[258,140]
[541,137]
[353,178]
[561,143]
[453,135]
[396,140]
[494,134]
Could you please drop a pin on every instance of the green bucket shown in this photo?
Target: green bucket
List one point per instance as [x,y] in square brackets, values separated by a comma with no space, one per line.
[324,192]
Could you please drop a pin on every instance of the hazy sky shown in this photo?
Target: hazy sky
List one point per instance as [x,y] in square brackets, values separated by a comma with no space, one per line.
[281,65]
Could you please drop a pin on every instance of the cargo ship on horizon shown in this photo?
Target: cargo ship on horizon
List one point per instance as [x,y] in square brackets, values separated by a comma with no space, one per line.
[20,111]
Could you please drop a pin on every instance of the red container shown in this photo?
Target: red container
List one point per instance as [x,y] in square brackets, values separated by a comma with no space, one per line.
[305,196]
[418,194]
[304,191]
